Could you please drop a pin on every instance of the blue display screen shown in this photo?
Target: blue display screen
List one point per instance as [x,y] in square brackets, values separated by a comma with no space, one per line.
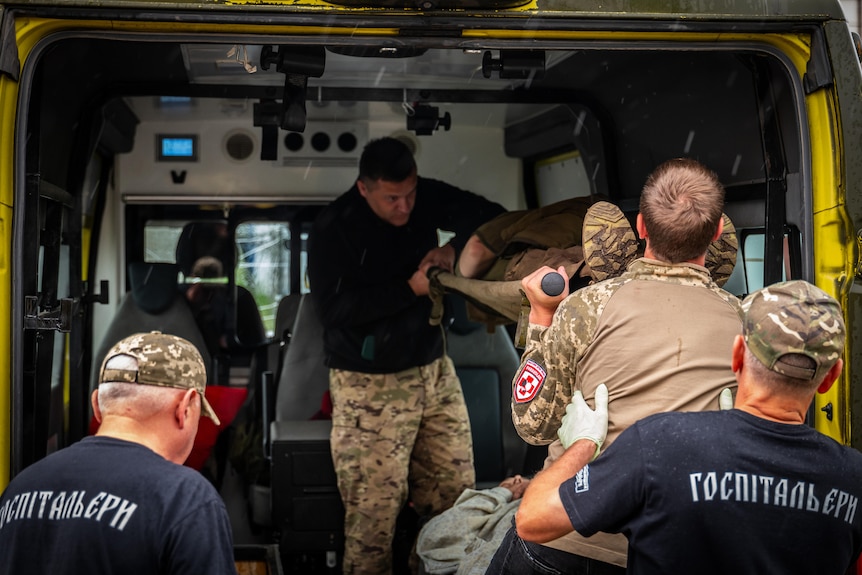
[177,148]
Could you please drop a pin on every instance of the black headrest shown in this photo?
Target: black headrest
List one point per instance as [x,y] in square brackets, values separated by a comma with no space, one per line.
[154,285]
[200,239]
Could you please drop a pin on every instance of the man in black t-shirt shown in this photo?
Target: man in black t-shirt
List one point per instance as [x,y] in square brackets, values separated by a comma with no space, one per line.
[121,501]
[748,490]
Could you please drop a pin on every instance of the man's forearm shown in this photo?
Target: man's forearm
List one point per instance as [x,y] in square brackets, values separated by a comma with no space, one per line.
[541,516]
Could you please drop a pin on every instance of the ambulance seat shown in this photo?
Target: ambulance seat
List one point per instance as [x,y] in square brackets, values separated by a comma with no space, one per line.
[285,316]
[306,508]
[485,363]
[304,377]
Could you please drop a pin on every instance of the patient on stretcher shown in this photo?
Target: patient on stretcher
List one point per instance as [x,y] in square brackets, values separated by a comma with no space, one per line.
[591,238]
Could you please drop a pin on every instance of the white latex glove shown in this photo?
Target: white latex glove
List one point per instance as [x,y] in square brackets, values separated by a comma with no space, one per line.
[725,399]
[581,422]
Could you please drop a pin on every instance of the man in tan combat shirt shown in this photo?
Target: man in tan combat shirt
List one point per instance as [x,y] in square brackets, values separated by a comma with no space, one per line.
[659,336]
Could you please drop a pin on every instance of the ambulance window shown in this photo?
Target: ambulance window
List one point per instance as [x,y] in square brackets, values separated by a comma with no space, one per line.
[264,265]
[160,240]
[752,260]
[561,177]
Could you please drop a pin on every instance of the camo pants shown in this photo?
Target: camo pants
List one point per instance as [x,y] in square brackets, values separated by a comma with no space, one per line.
[391,431]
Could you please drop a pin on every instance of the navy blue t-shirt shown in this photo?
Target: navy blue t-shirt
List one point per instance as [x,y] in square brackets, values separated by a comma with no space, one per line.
[723,492]
[104,505]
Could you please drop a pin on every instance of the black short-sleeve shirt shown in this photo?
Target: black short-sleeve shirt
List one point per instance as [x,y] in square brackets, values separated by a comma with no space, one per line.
[723,492]
[103,506]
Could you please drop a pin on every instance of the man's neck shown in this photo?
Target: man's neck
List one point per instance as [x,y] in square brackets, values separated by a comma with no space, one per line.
[648,253]
[128,429]
[782,409]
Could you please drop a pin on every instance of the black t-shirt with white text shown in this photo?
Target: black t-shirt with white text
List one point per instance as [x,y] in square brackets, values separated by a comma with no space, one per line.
[723,492]
[104,505]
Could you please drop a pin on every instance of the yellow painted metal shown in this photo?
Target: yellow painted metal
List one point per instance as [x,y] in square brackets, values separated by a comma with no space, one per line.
[530,6]
[8,104]
[834,247]
[31,30]
[287,6]
[5,326]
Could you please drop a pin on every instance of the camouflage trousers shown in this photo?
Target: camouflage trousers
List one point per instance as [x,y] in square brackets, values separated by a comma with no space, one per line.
[394,436]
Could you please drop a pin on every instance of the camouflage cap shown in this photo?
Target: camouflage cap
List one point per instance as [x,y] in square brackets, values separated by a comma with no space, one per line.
[164,360]
[794,317]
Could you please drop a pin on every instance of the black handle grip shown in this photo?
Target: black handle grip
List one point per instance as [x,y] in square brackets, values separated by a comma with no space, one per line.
[553,284]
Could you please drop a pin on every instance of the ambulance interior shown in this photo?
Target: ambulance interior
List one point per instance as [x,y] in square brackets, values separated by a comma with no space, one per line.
[137,144]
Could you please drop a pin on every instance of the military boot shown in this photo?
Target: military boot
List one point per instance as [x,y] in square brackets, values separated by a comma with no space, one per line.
[721,254]
[609,242]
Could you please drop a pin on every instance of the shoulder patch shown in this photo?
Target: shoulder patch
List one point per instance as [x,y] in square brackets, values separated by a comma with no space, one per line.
[529,382]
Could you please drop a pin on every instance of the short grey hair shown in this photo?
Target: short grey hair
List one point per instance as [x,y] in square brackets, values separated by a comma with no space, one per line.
[774,380]
[116,398]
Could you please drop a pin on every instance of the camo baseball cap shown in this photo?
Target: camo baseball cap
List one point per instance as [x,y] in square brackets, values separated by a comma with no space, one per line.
[794,317]
[164,360]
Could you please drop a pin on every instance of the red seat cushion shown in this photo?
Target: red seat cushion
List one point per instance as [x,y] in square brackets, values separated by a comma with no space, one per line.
[226,402]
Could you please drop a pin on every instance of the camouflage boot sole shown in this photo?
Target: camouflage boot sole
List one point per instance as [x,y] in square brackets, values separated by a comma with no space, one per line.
[609,242]
[721,255]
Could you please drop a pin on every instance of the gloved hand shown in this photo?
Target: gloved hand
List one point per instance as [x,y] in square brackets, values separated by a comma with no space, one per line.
[581,422]
[725,399]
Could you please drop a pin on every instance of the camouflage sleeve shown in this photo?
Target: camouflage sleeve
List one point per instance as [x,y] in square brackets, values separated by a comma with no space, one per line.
[547,378]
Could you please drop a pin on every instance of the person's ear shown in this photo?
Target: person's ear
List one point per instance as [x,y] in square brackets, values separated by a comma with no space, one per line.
[641,227]
[94,401]
[737,357]
[184,407]
[363,189]
[720,229]
[831,376]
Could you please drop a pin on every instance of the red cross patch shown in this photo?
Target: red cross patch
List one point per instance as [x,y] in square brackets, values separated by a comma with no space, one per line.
[529,382]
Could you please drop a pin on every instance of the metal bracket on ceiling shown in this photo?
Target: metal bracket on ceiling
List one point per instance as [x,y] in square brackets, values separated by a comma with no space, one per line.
[515,64]
[426,119]
[298,64]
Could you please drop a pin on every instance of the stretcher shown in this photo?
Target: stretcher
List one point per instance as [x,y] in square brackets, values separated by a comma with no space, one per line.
[499,302]
[495,302]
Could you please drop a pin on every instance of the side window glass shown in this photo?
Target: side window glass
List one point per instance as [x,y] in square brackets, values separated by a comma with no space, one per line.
[561,177]
[160,240]
[263,266]
[262,254]
[752,260]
